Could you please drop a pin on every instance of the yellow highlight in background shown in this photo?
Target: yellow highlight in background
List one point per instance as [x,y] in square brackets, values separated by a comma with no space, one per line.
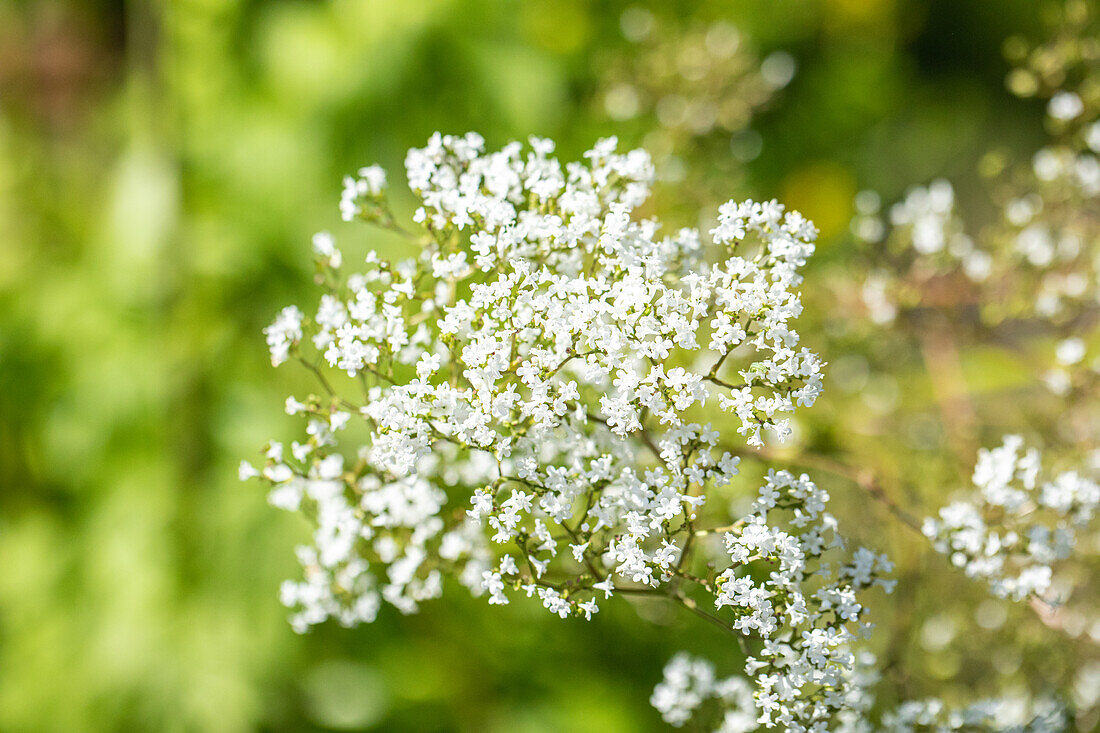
[823,192]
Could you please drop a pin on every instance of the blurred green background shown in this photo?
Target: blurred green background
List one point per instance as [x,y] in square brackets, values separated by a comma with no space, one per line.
[162,166]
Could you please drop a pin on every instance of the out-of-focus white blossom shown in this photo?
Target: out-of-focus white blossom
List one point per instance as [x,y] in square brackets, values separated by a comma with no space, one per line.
[1017,523]
[690,682]
[1065,106]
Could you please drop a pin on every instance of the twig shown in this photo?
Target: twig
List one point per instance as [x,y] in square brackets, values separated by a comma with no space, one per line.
[862,478]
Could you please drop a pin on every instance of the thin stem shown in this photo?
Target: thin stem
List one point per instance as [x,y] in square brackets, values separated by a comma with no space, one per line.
[862,478]
[691,605]
[320,377]
[643,434]
[694,579]
[725,384]
[715,530]
[944,365]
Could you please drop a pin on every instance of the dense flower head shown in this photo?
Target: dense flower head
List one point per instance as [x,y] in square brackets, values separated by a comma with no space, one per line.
[532,351]
[521,405]
[1043,242]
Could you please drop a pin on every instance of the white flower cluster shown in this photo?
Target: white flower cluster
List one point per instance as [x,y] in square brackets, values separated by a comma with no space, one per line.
[690,691]
[537,361]
[1014,712]
[690,682]
[1076,367]
[360,192]
[805,611]
[793,591]
[928,213]
[1017,524]
[360,518]
[615,524]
